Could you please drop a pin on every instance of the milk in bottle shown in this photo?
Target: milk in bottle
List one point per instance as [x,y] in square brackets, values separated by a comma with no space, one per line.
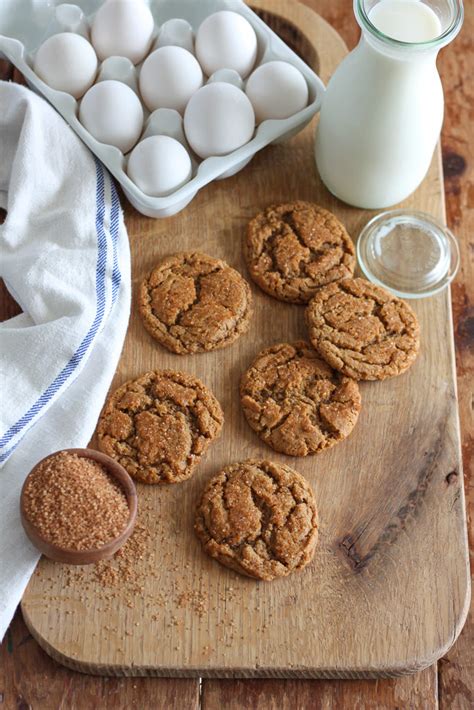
[383,109]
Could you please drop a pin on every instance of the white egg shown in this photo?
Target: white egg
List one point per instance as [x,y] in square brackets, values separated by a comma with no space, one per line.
[219,118]
[159,165]
[113,114]
[67,62]
[123,28]
[169,77]
[226,40]
[277,90]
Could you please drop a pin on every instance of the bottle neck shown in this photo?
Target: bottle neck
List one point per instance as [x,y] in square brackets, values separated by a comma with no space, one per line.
[448,13]
[391,55]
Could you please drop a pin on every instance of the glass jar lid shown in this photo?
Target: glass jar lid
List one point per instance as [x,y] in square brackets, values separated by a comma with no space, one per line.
[409,253]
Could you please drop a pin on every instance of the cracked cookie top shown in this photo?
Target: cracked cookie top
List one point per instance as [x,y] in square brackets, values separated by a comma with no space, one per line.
[159,426]
[258,518]
[293,249]
[296,402]
[192,303]
[362,330]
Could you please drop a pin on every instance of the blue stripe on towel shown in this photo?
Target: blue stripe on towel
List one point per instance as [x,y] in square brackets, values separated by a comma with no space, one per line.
[114,230]
[101,269]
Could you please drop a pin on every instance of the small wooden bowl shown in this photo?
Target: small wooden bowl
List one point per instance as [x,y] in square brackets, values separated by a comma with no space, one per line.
[85,557]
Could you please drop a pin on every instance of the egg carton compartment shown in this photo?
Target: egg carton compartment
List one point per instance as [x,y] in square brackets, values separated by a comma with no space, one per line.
[26,24]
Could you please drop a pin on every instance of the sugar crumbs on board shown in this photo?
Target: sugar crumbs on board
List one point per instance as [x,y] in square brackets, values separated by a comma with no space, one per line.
[74,504]
[121,579]
[124,570]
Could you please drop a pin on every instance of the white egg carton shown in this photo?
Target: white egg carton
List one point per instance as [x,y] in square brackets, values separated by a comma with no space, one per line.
[25,24]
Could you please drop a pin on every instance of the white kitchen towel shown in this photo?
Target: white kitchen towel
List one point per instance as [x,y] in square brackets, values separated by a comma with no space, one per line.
[64,256]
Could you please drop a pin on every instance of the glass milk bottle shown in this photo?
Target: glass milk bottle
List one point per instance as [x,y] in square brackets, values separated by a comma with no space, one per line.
[383,110]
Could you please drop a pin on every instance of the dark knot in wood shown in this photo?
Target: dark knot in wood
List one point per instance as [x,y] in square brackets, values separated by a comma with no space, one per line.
[451,478]
[453,164]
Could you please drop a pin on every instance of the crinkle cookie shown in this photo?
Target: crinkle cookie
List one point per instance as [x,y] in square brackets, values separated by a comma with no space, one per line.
[192,303]
[159,426]
[258,518]
[362,330]
[293,249]
[296,402]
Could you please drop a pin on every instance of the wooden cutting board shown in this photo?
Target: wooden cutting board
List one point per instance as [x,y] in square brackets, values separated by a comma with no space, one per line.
[388,591]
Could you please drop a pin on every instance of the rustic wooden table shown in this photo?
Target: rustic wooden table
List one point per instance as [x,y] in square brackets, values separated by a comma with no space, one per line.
[30,679]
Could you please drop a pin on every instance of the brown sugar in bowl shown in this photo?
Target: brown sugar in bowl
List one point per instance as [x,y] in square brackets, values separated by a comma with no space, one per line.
[84,557]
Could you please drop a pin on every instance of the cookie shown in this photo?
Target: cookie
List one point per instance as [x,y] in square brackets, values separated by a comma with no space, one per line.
[293,249]
[192,303]
[258,518]
[159,426]
[296,403]
[362,330]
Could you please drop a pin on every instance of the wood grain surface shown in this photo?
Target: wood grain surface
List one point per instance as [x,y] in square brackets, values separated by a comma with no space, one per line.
[22,661]
[388,498]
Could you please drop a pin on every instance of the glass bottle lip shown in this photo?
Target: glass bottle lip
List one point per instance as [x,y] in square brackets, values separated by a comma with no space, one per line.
[447,36]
